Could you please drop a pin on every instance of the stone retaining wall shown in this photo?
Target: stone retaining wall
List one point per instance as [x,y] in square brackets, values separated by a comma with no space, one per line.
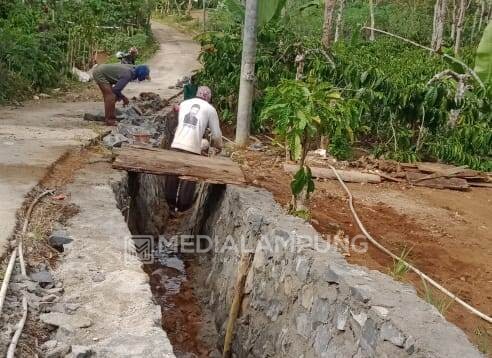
[312,304]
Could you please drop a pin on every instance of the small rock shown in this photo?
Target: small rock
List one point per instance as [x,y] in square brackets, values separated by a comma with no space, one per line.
[59,238]
[68,322]
[49,345]
[71,307]
[257,147]
[49,298]
[115,140]
[60,351]
[359,318]
[82,352]
[98,277]
[342,318]
[44,278]
[392,334]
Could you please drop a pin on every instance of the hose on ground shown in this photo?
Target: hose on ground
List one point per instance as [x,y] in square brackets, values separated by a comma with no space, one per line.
[8,273]
[422,275]
[6,278]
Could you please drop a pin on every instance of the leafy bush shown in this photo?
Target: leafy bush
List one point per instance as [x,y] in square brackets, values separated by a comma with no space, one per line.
[402,114]
[41,40]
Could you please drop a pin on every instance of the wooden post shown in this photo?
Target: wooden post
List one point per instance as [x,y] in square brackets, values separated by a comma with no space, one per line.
[247,84]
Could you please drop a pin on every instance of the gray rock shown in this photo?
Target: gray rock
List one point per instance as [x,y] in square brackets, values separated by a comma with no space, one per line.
[369,336]
[321,311]
[60,351]
[307,296]
[321,340]
[59,238]
[98,277]
[81,352]
[359,318]
[342,318]
[303,325]
[68,322]
[115,140]
[44,278]
[392,334]
[49,345]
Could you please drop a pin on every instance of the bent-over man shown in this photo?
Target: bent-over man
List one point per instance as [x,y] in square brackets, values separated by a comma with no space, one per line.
[112,79]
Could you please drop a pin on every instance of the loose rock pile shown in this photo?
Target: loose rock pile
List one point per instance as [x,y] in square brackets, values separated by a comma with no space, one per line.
[148,120]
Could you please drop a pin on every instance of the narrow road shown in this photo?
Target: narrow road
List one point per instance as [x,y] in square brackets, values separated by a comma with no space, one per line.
[34,137]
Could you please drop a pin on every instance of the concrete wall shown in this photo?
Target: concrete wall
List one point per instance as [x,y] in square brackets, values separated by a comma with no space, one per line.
[312,304]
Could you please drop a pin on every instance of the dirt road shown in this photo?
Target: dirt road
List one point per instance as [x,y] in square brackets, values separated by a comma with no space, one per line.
[35,136]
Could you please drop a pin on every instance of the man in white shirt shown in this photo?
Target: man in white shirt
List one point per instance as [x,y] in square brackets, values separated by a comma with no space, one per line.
[195,116]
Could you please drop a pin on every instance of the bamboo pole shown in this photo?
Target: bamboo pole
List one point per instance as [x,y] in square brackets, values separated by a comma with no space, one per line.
[244,265]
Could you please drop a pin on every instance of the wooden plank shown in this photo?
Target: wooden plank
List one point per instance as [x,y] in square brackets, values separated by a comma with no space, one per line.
[428,167]
[350,176]
[216,170]
[480,185]
[418,179]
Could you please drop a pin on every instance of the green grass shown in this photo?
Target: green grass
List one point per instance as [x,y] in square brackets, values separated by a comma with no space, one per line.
[182,23]
[399,268]
[435,298]
[483,340]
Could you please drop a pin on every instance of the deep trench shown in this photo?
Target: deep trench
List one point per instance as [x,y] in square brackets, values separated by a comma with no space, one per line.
[145,202]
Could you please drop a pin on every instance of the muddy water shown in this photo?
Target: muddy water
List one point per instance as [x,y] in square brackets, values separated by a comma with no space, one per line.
[183,316]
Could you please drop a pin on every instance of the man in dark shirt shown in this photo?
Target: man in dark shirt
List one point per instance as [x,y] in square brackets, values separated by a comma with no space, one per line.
[112,79]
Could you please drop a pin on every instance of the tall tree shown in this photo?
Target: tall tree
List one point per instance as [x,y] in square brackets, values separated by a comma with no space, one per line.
[438,24]
[327,23]
[338,25]
[246,87]
[371,14]
[460,22]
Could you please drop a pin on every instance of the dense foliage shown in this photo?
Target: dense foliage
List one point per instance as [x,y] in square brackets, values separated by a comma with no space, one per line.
[403,112]
[40,40]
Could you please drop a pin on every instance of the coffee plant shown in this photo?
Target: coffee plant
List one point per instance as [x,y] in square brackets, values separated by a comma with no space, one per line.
[404,112]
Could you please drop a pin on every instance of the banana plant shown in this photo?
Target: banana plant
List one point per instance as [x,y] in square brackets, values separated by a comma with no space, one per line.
[483,62]
[268,10]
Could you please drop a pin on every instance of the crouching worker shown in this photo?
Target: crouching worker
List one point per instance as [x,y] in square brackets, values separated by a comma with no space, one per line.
[112,79]
[195,116]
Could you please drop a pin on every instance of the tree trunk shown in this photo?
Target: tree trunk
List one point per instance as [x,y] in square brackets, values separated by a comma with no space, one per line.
[190,6]
[460,21]
[482,13]
[328,21]
[438,24]
[338,25]
[246,88]
[371,14]
[453,23]
[475,22]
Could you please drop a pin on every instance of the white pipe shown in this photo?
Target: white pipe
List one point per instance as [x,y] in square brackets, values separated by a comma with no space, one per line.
[24,228]
[6,278]
[20,327]
[413,268]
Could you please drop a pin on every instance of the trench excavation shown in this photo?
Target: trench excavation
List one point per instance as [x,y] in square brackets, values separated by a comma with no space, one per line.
[147,206]
[298,300]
